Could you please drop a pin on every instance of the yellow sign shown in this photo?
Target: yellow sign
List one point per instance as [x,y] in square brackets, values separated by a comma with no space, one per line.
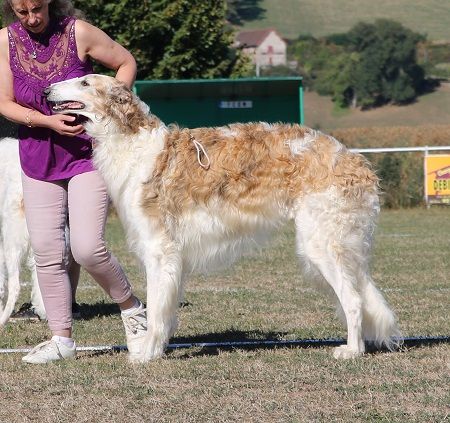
[437,179]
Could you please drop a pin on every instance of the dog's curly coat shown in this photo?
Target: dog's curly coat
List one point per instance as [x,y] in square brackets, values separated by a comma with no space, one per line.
[180,216]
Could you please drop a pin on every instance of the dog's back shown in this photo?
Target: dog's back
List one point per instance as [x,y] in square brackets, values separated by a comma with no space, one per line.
[255,167]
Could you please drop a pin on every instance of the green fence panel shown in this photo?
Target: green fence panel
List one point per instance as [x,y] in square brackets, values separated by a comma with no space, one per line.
[214,102]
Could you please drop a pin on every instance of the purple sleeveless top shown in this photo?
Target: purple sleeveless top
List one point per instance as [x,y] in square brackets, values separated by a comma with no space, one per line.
[44,154]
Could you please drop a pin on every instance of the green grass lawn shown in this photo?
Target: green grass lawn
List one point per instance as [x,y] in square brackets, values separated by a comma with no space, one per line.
[324,17]
[262,297]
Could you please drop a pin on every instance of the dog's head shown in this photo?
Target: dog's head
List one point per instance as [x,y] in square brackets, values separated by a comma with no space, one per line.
[101,99]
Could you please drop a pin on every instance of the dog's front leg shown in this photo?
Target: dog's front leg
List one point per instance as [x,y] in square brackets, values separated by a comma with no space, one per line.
[163,268]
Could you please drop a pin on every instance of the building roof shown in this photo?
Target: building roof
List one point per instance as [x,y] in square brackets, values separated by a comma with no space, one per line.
[254,38]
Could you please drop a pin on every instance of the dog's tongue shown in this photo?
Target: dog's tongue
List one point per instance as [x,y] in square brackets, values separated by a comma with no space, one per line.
[73,105]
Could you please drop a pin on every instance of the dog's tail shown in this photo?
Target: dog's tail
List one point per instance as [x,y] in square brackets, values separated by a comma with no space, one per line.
[379,321]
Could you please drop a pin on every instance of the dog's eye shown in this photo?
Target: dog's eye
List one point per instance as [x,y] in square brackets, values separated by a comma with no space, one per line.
[84,83]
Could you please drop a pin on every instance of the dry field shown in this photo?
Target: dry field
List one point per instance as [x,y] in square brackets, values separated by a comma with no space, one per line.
[429,110]
[263,297]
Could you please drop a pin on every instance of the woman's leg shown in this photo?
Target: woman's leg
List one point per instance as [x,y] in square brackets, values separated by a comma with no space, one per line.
[88,207]
[46,214]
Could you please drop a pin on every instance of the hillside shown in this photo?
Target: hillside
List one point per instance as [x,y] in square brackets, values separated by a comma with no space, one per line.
[429,109]
[323,17]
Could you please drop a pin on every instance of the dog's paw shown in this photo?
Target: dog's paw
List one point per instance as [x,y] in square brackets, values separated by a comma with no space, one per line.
[150,351]
[148,354]
[343,352]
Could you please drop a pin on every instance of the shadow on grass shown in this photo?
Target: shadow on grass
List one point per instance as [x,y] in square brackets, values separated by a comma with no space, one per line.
[213,343]
[101,309]
[92,311]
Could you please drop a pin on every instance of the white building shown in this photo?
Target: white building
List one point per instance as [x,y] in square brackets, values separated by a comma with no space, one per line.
[265,46]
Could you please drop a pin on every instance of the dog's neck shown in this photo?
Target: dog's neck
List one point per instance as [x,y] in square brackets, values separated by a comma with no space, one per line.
[118,154]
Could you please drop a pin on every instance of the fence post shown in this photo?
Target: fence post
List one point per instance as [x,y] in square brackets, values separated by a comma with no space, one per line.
[425,173]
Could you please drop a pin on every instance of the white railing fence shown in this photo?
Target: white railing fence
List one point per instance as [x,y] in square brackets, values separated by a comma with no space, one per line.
[425,149]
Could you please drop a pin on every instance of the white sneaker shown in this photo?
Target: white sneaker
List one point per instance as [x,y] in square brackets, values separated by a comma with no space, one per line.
[135,323]
[50,351]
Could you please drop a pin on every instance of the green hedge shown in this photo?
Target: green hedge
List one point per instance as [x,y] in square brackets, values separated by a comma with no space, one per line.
[401,178]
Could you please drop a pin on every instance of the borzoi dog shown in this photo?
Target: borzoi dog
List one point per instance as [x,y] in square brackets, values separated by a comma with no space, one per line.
[192,199]
[14,240]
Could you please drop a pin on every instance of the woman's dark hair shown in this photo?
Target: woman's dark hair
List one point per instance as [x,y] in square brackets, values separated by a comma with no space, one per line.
[55,8]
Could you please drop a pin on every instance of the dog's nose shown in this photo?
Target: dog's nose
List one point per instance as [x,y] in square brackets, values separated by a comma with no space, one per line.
[47,91]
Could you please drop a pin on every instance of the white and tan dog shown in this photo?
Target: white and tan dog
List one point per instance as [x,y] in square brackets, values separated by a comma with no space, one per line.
[192,199]
[14,240]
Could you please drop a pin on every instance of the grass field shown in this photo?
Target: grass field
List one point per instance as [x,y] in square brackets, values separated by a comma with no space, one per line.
[323,17]
[263,297]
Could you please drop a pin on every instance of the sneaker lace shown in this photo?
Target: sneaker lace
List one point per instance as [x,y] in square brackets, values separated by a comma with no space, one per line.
[43,346]
[136,322]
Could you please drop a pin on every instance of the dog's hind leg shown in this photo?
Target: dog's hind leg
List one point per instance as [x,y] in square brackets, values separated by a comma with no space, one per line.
[334,233]
[163,266]
[15,242]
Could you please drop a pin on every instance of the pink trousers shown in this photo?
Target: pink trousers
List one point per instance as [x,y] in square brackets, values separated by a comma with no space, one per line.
[82,200]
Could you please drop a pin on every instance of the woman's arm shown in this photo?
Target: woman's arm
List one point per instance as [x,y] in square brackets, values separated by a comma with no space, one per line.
[93,42]
[19,114]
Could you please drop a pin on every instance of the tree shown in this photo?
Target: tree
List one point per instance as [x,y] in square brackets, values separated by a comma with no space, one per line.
[370,65]
[387,70]
[239,11]
[171,39]
[313,56]
[198,42]
[336,79]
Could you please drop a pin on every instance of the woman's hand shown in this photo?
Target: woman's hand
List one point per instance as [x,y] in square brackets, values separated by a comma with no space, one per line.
[62,124]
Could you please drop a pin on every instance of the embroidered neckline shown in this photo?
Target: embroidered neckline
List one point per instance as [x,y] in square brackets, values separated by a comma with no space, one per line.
[57,54]
[39,42]
[45,43]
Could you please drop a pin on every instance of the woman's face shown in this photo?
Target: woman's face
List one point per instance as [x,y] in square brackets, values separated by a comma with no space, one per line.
[32,14]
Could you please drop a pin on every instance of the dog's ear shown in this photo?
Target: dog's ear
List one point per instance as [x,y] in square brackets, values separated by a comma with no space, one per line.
[120,94]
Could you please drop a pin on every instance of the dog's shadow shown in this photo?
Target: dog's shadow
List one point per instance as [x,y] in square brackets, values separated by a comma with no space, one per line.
[215,343]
